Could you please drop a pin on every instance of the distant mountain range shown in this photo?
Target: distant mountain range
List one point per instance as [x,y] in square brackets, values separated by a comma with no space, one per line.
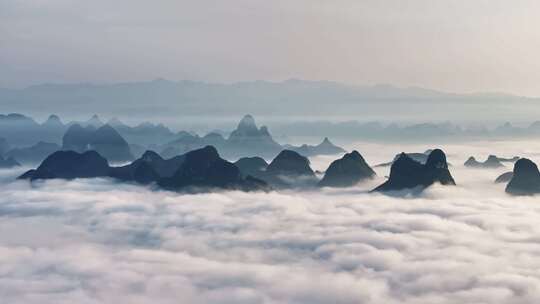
[246,140]
[27,141]
[164,99]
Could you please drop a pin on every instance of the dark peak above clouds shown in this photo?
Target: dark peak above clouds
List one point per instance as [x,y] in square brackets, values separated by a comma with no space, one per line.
[347,171]
[151,156]
[207,154]
[253,166]
[407,173]
[290,163]
[204,168]
[436,159]
[164,167]
[149,168]
[70,165]
[287,170]
[198,170]
[525,179]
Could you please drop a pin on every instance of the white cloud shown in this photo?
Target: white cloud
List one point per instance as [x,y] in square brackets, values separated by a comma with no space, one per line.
[90,241]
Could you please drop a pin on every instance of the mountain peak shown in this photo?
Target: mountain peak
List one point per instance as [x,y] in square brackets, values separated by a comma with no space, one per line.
[53,120]
[94,121]
[53,117]
[406,173]
[150,156]
[525,179]
[347,171]
[437,159]
[247,122]
[326,142]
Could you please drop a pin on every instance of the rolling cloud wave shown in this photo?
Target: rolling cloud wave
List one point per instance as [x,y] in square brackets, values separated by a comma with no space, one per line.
[93,242]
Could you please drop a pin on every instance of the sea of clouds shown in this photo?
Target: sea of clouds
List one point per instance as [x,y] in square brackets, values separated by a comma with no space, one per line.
[95,241]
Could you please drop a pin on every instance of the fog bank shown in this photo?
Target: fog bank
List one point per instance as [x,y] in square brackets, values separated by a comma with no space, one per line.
[93,241]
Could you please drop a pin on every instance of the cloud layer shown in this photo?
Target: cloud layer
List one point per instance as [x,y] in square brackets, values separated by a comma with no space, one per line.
[90,241]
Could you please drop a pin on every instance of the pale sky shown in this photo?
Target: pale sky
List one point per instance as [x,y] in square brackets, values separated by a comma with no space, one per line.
[451,45]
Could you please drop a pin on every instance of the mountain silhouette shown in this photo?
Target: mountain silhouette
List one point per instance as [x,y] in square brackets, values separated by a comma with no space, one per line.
[504,178]
[105,140]
[247,140]
[326,147]
[347,171]
[420,157]
[109,143]
[77,138]
[204,168]
[288,169]
[525,179]
[407,173]
[198,170]
[34,154]
[253,166]
[70,165]
[491,162]
[290,163]
[53,121]
[150,167]
[94,122]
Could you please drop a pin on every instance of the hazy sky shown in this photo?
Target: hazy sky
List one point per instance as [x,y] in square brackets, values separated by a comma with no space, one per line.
[454,45]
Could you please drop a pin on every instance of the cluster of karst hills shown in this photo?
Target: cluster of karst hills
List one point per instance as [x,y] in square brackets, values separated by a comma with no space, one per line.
[24,141]
[192,163]
[204,170]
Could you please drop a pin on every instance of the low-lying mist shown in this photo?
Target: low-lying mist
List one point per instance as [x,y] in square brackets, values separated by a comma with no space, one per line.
[96,241]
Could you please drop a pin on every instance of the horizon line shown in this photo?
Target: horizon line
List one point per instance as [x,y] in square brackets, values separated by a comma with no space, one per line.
[284,81]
